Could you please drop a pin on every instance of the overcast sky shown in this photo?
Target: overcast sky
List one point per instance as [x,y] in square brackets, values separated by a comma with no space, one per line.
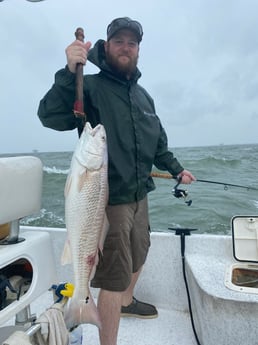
[198,58]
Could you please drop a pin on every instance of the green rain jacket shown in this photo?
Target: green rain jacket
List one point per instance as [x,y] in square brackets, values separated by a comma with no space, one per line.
[135,137]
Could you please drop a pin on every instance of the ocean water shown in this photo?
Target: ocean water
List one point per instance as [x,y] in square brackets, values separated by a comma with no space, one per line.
[212,206]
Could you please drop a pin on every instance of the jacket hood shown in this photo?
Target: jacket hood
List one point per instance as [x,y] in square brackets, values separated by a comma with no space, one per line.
[97,56]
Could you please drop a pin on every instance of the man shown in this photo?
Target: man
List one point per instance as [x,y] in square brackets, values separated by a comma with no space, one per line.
[136,140]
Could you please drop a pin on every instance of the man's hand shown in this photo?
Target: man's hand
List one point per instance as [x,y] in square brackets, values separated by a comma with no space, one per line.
[77,52]
[186,177]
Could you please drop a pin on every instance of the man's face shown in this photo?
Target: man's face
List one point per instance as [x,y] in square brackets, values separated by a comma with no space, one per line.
[122,52]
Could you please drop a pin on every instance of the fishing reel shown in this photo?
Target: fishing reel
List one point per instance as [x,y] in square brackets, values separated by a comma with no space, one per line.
[181,193]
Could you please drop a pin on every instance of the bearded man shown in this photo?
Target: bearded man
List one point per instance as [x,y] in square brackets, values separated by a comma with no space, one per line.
[136,141]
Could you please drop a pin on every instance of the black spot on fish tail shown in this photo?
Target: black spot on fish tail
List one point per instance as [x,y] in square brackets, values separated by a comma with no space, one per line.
[87,299]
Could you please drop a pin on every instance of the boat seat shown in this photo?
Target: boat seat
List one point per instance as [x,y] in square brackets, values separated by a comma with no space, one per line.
[21,186]
[27,264]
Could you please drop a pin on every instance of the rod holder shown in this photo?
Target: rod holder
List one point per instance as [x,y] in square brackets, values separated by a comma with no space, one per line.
[13,236]
[182,232]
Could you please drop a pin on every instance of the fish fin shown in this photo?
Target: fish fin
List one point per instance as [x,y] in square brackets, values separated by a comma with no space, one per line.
[82,179]
[81,311]
[96,261]
[67,185]
[103,233]
[99,253]
[66,257]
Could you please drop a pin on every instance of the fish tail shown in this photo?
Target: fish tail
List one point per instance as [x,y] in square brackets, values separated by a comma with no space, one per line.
[81,311]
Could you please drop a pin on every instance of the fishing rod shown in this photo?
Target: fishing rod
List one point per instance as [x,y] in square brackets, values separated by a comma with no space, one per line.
[181,193]
[226,185]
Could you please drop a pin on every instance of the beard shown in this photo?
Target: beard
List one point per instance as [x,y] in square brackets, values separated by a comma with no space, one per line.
[124,69]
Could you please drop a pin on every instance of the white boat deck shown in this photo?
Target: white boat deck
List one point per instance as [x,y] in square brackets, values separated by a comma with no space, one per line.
[170,327]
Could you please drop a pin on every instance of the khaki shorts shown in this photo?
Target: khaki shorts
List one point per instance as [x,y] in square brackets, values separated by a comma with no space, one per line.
[126,246]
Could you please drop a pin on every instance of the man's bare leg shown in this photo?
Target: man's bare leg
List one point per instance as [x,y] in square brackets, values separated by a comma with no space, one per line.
[109,306]
[127,295]
[133,307]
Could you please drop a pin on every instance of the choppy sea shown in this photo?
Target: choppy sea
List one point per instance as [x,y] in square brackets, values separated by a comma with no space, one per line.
[212,206]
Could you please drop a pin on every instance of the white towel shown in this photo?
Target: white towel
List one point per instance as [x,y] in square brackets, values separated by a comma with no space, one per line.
[18,338]
[53,328]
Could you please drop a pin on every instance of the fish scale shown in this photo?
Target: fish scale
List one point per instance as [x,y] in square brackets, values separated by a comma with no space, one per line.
[91,224]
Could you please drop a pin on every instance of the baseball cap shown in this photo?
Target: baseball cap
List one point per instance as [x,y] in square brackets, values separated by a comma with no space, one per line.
[124,23]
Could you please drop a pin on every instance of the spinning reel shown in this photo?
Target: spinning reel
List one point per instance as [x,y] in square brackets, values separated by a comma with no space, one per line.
[181,193]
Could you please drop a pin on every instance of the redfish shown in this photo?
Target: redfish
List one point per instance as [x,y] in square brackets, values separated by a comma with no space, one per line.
[86,196]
